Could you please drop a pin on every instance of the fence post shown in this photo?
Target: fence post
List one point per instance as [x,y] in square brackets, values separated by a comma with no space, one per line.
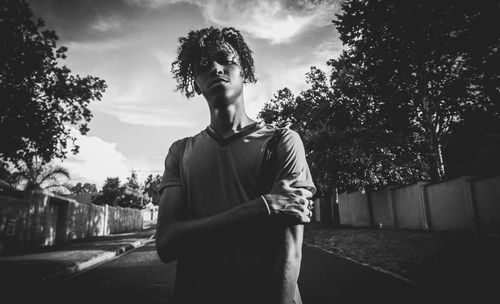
[424,207]
[334,204]
[470,203]
[317,211]
[370,207]
[392,208]
[105,224]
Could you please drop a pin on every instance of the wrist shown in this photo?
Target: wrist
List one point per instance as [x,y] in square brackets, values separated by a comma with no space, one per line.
[266,204]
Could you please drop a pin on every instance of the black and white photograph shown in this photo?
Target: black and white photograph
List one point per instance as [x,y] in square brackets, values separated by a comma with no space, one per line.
[249,151]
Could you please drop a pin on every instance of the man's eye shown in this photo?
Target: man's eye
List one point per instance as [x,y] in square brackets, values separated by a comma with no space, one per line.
[222,58]
[203,62]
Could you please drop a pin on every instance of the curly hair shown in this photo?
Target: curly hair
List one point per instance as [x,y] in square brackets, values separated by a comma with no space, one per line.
[197,44]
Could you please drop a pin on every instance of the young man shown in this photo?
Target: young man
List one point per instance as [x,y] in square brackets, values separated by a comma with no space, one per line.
[234,241]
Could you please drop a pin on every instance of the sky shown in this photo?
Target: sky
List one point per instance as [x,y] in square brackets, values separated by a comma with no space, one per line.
[131,45]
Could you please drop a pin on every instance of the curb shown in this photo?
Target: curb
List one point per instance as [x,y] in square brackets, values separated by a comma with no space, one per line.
[93,262]
[395,275]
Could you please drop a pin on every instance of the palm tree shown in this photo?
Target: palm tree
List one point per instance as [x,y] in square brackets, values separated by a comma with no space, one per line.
[37,176]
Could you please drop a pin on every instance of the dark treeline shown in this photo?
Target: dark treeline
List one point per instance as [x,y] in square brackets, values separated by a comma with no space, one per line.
[414,96]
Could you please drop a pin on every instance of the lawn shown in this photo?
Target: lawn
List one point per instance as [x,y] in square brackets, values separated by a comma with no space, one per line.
[433,259]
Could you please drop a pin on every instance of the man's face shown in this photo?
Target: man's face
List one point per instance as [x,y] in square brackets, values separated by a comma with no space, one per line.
[218,75]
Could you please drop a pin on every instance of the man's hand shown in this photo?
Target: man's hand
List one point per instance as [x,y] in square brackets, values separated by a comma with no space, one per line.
[291,200]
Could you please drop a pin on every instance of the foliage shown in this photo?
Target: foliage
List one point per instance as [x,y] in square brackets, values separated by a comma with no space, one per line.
[80,188]
[429,61]
[111,190]
[151,188]
[127,195]
[131,194]
[41,101]
[410,73]
[37,176]
[345,148]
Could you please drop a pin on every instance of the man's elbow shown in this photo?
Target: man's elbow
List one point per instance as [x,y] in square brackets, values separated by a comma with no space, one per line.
[164,251]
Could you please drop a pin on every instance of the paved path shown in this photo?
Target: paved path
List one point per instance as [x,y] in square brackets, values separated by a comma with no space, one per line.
[28,272]
[140,277]
[327,278]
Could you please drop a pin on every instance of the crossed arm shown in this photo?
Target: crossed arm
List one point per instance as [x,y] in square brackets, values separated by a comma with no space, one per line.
[176,236]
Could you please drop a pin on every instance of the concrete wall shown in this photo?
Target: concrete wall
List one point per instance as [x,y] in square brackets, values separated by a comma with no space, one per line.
[449,206]
[408,209]
[382,209]
[150,214]
[344,210]
[15,222]
[354,209]
[486,197]
[462,204]
[41,219]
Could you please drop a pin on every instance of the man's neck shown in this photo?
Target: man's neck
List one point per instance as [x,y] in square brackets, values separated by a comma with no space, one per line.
[229,119]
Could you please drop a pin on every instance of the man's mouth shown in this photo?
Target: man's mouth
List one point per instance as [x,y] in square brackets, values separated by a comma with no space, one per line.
[217,80]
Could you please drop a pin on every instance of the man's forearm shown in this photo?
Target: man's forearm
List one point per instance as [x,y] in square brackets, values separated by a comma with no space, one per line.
[177,236]
[287,265]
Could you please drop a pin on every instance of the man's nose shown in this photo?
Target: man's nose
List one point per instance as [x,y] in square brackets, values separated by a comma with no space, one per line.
[217,68]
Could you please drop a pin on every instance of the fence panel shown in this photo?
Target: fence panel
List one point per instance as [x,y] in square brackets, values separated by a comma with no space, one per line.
[359,209]
[408,207]
[486,196]
[381,209]
[448,206]
[344,210]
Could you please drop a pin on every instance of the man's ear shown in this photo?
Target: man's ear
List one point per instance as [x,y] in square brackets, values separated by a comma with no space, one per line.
[197,88]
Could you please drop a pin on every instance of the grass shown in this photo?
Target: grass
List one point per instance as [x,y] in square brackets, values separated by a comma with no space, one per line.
[433,259]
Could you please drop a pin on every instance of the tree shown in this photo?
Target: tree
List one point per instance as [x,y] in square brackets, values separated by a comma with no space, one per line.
[151,188]
[346,147]
[427,60]
[111,190]
[85,188]
[36,176]
[41,101]
[127,195]
[131,193]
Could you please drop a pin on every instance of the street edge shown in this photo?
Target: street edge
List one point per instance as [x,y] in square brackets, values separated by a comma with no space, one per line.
[94,261]
[379,269]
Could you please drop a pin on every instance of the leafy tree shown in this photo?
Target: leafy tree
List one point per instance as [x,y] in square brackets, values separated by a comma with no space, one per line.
[115,194]
[80,188]
[429,62]
[132,182]
[131,193]
[36,176]
[41,101]
[151,188]
[111,190]
[346,148]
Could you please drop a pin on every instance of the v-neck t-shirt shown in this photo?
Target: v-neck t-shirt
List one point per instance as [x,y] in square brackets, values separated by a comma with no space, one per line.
[217,174]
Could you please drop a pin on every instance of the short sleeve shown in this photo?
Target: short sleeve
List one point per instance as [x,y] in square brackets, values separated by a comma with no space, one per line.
[171,175]
[292,158]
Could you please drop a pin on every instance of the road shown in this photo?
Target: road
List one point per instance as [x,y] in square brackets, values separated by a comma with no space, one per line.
[140,277]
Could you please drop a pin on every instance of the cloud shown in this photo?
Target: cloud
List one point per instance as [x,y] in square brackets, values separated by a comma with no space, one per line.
[95,46]
[96,160]
[276,21]
[154,4]
[329,49]
[152,116]
[165,59]
[147,97]
[106,24]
